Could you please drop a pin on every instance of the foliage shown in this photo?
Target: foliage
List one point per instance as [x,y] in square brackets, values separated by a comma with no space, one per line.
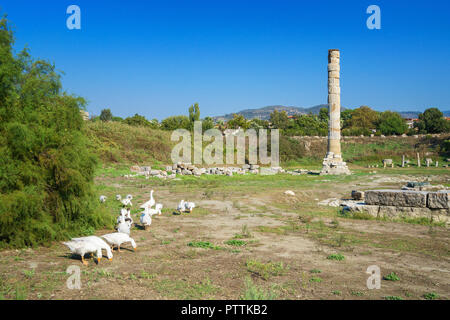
[203,244]
[140,121]
[336,256]
[308,125]
[362,117]
[106,115]
[253,292]
[392,123]
[265,270]
[279,120]
[46,170]
[432,121]
[238,121]
[176,122]
[194,113]
[391,277]
[207,124]
[236,243]
[431,296]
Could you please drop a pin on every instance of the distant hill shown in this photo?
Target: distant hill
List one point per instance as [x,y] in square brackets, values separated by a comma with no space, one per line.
[264,113]
[415,114]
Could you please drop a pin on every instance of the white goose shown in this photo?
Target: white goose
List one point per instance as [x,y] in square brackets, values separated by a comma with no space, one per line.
[122,216]
[103,199]
[98,242]
[126,202]
[124,227]
[83,247]
[157,210]
[181,206]
[149,203]
[118,197]
[129,196]
[189,206]
[128,216]
[117,238]
[146,218]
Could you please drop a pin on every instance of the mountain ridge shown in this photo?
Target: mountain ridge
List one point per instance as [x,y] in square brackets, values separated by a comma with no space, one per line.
[263,113]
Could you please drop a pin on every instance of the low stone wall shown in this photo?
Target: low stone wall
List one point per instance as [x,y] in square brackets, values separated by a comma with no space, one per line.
[408,198]
[404,204]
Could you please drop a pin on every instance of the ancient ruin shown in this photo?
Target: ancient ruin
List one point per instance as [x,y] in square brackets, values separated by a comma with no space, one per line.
[333,164]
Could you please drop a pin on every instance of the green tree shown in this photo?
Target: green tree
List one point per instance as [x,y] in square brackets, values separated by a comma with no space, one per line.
[176,122]
[46,170]
[106,115]
[238,121]
[279,120]
[392,123]
[432,121]
[308,125]
[207,124]
[140,121]
[323,114]
[363,117]
[194,113]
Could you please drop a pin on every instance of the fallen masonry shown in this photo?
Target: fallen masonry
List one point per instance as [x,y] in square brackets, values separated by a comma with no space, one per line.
[403,204]
[188,169]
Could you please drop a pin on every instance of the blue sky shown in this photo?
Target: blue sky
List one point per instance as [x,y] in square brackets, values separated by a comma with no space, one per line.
[156,58]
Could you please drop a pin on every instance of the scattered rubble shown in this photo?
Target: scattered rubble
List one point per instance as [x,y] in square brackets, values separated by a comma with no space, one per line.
[188,169]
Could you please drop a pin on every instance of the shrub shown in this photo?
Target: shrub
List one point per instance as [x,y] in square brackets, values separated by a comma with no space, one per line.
[46,170]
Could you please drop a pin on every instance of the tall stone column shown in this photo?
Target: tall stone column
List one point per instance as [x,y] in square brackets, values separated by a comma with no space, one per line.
[333,164]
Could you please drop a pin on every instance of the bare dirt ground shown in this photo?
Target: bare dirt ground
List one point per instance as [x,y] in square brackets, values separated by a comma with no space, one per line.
[281,246]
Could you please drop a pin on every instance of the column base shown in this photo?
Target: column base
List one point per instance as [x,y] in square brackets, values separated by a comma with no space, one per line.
[333,165]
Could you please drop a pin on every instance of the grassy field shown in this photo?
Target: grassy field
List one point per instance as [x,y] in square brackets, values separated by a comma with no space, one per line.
[247,240]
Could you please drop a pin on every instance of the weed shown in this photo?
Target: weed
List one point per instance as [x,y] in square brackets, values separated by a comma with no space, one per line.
[29,273]
[391,277]
[337,292]
[393,298]
[236,243]
[315,271]
[336,256]
[266,270]
[203,244]
[431,296]
[315,279]
[253,292]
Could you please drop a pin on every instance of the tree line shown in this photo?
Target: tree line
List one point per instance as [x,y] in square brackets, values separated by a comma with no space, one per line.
[354,122]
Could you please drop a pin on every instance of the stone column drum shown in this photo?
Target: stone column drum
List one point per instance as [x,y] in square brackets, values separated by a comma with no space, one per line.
[333,163]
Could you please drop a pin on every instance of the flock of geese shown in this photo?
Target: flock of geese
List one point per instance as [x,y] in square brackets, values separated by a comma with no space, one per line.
[94,245]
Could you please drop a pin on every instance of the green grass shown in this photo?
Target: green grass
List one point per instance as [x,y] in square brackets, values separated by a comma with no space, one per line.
[236,243]
[266,270]
[315,279]
[431,296]
[203,244]
[185,290]
[336,256]
[393,298]
[315,271]
[391,277]
[253,292]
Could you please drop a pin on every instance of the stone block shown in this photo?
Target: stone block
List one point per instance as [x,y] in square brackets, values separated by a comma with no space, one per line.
[439,200]
[396,198]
